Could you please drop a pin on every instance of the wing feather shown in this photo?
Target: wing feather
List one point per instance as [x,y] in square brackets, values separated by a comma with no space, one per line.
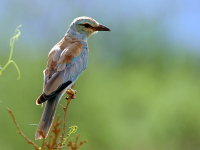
[64,65]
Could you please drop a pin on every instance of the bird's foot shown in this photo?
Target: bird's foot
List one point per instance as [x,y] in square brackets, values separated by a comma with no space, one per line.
[71,94]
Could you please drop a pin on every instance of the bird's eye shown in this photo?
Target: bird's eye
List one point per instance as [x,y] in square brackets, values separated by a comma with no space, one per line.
[87,25]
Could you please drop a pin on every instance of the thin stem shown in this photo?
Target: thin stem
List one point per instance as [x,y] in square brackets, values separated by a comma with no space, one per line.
[65,118]
[19,130]
[12,42]
[19,74]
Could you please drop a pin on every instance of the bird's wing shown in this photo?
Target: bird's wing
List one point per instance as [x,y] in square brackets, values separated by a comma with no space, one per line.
[64,66]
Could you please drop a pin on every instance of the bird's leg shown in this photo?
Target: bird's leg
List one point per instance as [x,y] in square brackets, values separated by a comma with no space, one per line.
[71,93]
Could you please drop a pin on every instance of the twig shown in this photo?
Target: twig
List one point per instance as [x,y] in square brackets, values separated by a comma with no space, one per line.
[73,129]
[71,95]
[43,143]
[19,130]
[56,131]
[12,42]
[75,146]
[64,120]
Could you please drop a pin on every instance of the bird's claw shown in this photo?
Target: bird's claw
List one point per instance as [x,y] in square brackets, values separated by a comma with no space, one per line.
[71,94]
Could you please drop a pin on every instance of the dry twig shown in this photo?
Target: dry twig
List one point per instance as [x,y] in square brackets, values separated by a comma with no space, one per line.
[19,130]
[56,130]
[76,145]
[64,120]
[73,146]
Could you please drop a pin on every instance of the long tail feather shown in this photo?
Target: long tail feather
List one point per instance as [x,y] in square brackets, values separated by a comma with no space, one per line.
[47,117]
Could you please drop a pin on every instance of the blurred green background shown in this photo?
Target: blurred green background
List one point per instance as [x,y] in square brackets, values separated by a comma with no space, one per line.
[141,90]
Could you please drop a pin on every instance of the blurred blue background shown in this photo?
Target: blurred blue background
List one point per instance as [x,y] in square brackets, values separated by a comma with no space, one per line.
[141,89]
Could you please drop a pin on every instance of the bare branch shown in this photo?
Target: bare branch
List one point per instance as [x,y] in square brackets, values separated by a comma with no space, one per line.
[19,130]
[64,121]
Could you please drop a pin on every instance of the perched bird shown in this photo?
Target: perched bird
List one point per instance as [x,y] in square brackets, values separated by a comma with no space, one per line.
[66,61]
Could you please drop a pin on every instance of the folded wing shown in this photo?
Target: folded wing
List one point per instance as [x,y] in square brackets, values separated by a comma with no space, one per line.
[63,68]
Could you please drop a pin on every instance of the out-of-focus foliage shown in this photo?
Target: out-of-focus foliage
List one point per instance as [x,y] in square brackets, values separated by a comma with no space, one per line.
[140,90]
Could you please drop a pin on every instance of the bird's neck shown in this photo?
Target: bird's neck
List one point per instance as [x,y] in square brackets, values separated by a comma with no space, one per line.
[72,33]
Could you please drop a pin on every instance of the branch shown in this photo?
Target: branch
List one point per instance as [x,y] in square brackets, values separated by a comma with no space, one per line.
[56,130]
[74,146]
[64,121]
[20,132]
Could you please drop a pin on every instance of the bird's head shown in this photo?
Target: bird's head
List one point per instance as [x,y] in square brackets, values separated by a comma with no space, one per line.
[85,26]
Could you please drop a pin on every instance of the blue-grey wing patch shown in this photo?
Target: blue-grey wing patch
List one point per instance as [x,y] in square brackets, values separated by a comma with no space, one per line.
[65,72]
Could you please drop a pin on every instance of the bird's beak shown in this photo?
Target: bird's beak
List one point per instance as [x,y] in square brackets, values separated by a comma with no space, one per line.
[101,28]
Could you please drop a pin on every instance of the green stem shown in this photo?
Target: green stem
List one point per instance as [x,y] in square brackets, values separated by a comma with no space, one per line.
[19,74]
[12,42]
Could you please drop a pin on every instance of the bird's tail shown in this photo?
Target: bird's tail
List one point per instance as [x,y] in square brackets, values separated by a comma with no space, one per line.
[47,117]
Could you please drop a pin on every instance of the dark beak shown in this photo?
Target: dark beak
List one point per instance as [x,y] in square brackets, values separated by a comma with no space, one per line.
[101,28]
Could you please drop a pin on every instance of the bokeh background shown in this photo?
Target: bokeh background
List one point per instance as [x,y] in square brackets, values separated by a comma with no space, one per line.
[141,90]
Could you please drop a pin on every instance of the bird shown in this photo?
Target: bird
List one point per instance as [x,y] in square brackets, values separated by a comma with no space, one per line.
[66,61]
